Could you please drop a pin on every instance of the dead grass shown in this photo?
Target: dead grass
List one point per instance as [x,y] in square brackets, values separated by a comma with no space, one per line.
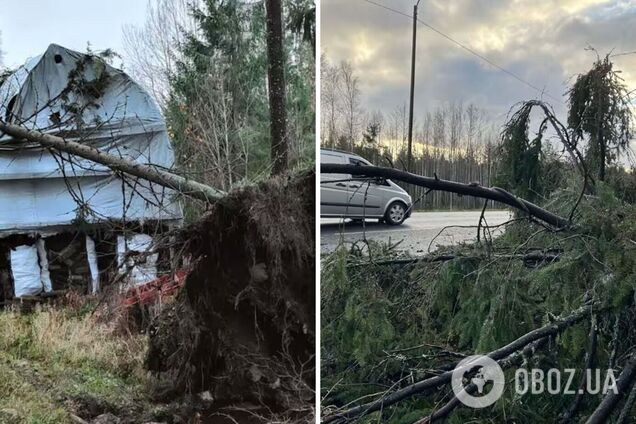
[53,359]
[73,338]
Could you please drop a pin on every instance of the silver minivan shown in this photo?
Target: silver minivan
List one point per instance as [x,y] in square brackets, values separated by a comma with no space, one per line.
[343,196]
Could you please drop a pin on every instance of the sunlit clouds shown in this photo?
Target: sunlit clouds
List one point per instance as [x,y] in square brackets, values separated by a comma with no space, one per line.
[543,42]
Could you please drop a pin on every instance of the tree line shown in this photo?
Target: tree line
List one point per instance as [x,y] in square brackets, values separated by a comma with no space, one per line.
[209,64]
[455,141]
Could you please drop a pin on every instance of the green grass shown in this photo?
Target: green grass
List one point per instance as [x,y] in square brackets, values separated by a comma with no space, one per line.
[22,401]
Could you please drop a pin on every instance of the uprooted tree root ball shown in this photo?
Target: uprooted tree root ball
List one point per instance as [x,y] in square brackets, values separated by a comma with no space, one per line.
[243,326]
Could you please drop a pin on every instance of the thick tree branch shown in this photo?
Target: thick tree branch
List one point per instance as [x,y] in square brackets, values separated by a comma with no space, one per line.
[159,176]
[531,259]
[494,193]
[562,132]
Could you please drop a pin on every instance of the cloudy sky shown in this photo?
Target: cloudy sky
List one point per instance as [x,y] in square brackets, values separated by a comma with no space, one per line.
[27,27]
[541,41]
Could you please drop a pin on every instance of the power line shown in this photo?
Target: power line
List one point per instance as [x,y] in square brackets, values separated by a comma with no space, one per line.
[468,49]
[623,54]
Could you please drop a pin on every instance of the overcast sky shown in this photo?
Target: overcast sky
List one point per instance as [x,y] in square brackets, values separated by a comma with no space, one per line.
[27,27]
[541,41]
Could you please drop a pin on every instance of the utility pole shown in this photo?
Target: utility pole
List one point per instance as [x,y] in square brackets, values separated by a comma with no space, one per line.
[409,160]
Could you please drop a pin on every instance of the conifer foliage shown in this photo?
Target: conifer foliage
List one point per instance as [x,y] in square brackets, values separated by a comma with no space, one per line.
[600,111]
[393,326]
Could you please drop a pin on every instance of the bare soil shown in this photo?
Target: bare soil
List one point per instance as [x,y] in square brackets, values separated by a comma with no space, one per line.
[243,326]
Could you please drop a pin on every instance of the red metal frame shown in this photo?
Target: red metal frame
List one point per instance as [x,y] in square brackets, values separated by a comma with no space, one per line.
[152,291]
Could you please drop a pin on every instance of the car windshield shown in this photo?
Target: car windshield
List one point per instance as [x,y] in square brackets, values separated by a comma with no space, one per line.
[358,161]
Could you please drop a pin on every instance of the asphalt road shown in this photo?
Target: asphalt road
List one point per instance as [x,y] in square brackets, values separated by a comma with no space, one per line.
[415,234]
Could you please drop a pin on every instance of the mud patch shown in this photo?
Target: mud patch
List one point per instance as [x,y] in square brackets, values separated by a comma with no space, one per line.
[85,405]
[243,326]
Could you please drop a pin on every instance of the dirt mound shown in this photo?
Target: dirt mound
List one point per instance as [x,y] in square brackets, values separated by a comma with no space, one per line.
[243,326]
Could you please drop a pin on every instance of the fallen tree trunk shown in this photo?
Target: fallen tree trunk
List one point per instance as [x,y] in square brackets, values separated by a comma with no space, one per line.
[148,172]
[491,193]
[431,383]
[528,257]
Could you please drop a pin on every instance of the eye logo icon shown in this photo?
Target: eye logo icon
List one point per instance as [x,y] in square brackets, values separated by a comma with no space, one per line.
[471,379]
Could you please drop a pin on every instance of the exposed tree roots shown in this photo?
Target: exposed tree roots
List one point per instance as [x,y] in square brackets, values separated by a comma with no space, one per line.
[243,326]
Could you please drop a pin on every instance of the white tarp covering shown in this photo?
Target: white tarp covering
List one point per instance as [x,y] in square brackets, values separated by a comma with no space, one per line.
[45,275]
[123,120]
[136,257]
[91,254]
[25,268]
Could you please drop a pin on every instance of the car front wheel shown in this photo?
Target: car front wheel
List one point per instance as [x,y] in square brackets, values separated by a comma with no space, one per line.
[395,213]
